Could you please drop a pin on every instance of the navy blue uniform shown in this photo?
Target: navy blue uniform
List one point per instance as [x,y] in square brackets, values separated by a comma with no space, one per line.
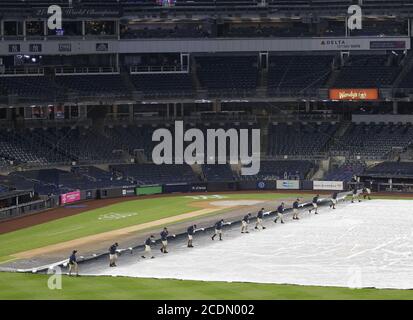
[164,239]
[148,250]
[112,249]
[315,206]
[191,230]
[164,235]
[73,265]
[280,211]
[218,229]
[72,259]
[148,242]
[260,215]
[112,255]
[296,205]
[334,200]
[245,221]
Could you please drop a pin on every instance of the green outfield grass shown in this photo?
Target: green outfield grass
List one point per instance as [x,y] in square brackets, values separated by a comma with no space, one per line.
[29,286]
[88,223]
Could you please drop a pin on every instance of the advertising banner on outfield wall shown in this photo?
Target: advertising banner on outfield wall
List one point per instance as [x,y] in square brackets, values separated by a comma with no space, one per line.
[148,190]
[354,94]
[288,184]
[198,187]
[70,197]
[328,185]
[176,187]
[128,192]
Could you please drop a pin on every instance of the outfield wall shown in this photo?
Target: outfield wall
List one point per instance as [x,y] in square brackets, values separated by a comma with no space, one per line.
[74,197]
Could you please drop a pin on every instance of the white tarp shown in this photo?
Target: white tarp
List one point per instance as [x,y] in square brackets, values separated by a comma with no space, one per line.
[367,244]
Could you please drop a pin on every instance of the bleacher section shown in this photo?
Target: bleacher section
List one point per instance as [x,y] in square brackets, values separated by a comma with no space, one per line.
[295,74]
[372,141]
[23,147]
[156,174]
[100,177]
[288,75]
[93,85]
[283,169]
[345,172]
[217,172]
[163,84]
[133,137]
[80,144]
[31,87]
[391,169]
[367,71]
[229,75]
[299,139]
[40,147]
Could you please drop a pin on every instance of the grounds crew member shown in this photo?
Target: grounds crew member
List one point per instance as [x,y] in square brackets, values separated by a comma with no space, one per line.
[296,204]
[260,216]
[315,204]
[366,193]
[148,250]
[334,200]
[164,239]
[218,229]
[280,211]
[245,221]
[191,231]
[355,195]
[113,255]
[73,264]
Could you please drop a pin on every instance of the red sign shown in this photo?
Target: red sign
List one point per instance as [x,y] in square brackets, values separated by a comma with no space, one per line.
[354,94]
[70,197]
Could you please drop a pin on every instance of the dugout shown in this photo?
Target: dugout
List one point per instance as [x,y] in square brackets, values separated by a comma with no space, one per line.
[18,203]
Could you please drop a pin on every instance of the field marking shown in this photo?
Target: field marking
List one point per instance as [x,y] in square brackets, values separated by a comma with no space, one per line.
[114,234]
[117,216]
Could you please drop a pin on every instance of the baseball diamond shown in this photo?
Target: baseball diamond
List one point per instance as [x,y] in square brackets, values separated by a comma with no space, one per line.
[236,150]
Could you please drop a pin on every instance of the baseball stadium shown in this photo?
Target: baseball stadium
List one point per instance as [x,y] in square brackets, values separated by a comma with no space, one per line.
[206,150]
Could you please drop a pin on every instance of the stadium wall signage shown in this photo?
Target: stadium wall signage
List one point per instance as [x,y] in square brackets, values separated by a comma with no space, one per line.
[328,185]
[124,46]
[199,187]
[72,13]
[70,197]
[354,94]
[148,190]
[288,184]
